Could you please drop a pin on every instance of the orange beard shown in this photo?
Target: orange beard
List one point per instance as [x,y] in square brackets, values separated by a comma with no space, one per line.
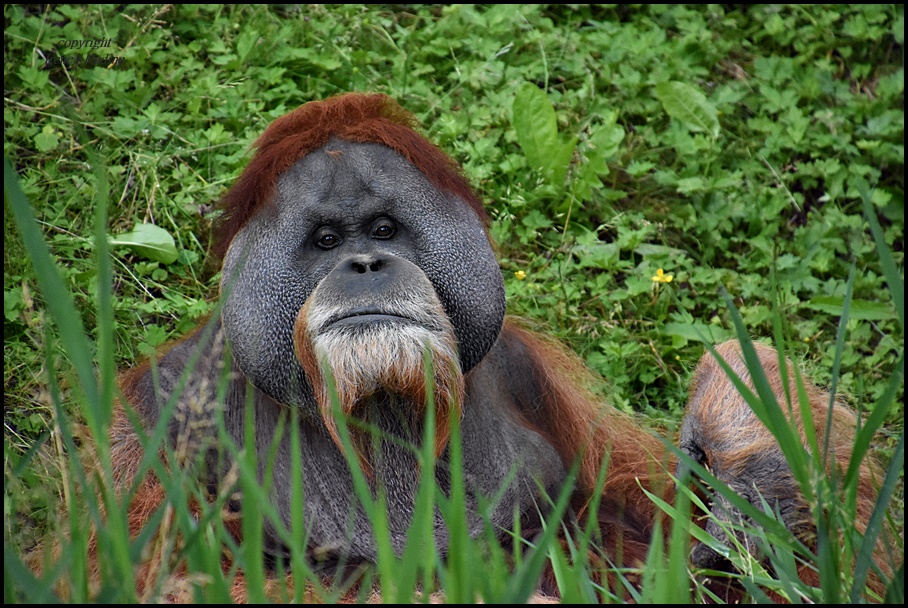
[385,357]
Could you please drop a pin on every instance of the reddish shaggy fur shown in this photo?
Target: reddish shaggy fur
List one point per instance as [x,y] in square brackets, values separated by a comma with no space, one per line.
[735,434]
[354,117]
[575,423]
[579,425]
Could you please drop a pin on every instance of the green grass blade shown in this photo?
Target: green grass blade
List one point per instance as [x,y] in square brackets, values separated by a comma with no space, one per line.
[894,279]
[58,298]
[764,403]
[875,524]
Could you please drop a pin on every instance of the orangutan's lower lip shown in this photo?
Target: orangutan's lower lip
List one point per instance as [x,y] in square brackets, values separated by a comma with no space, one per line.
[369,318]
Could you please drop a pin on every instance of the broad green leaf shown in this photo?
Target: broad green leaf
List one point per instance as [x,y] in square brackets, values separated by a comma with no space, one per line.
[689,105]
[646,249]
[12,303]
[47,139]
[245,42]
[149,241]
[606,138]
[537,132]
[604,142]
[860,309]
[696,332]
[322,60]
[598,255]
[687,185]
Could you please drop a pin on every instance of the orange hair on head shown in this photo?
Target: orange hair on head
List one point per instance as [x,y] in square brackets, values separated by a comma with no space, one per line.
[355,117]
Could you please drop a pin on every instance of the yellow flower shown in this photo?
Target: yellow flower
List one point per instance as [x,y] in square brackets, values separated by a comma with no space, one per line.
[661,277]
[520,275]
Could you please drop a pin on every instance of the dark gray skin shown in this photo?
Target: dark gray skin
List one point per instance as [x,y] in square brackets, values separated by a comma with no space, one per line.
[329,219]
[274,263]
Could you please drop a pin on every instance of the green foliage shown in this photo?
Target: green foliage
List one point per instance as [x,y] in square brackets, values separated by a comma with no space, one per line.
[150,242]
[688,105]
[722,145]
[537,131]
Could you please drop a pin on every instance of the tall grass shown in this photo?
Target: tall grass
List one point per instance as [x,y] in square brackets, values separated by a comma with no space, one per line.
[91,556]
